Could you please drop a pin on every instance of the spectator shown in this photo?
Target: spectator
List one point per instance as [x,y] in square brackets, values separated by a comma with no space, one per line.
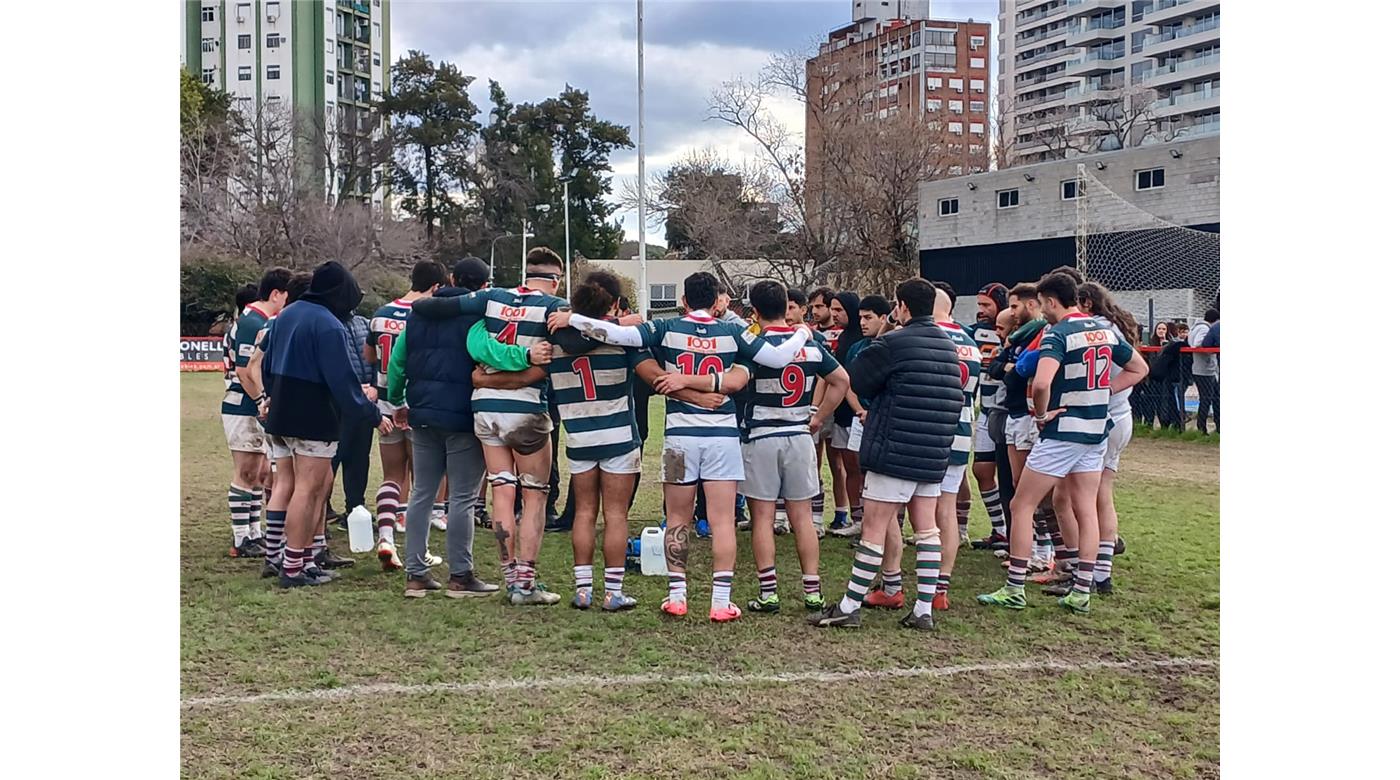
[1165,375]
[352,456]
[1205,370]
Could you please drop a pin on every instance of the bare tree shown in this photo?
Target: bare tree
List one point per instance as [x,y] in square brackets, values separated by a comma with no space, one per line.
[1124,117]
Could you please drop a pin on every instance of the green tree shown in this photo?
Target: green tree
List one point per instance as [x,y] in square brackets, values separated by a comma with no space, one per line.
[433,126]
[201,105]
[583,143]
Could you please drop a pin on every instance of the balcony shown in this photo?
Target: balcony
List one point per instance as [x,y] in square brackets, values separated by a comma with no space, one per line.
[1179,71]
[1100,61]
[1164,11]
[1044,80]
[1187,102]
[1085,93]
[1095,30]
[1027,102]
[1170,134]
[1045,13]
[1187,36]
[1078,8]
[1044,35]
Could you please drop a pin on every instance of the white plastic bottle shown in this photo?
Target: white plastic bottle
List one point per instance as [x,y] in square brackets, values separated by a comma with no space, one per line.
[361,530]
[653,556]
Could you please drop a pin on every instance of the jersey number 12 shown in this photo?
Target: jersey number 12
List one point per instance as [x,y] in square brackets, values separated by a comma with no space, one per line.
[1098,361]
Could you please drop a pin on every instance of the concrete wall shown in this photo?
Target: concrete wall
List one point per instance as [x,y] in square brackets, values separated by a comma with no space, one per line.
[1191,197]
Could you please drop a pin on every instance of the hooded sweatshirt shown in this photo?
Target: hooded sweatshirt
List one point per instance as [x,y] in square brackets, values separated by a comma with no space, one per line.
[311,385]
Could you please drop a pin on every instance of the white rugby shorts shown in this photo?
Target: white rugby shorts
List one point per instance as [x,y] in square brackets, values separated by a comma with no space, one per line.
[1118,437]
[952,478]
[243,432]
[1058,459]
[686,460]
[626,463]
[893,490]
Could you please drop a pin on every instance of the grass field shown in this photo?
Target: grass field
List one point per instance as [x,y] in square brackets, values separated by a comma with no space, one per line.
[1087,718]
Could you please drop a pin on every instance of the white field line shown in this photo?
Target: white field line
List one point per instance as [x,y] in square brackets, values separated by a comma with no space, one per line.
[704,678]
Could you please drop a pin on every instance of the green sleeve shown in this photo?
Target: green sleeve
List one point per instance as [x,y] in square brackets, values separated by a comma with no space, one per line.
[488,351]
[397,380]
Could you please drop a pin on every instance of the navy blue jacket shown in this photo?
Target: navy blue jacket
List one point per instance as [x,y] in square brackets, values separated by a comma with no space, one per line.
[311,385]
[914,380]
[438,369]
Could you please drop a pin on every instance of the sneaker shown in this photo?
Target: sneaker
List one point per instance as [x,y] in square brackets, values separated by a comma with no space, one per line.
[841,520]
[430,559]
[420,586]
[483,520]
[534,597]
[994,541]
[270,570]
[327,559]
[743,525]
[725,614]
[462,585]
[399,526]
[917,622]
[299,581]
[583,598]
[813,602]
[674,608]
[1075,602]
[247,549]
[439,519]
[878,598]
[702,528]
[1036,565]
[963,539]
[317,575]
[557,525]
[260,541]
[618,602]
[1003,554]
[1059,588]
[851,529]
[1119,546]
[1104,588]
[550,596]
[389,557]
[765,604]
[1006,596]
[833,617]
[940,601]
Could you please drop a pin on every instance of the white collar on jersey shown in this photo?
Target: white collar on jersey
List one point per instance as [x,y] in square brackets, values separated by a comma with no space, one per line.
[700,315]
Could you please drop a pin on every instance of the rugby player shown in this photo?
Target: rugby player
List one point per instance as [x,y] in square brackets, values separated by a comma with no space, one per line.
[1021,433]
[514,424]
[950,520]
[824,325]
[845,309]
[780,456]
[239,411]
[395,447]
[1071,389]
[991,302]
[700,444]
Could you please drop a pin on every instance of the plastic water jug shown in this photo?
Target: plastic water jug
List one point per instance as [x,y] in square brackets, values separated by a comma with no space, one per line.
[653,557]
[361,530]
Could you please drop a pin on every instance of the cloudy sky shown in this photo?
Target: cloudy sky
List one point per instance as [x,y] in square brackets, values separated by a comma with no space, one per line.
[692,46]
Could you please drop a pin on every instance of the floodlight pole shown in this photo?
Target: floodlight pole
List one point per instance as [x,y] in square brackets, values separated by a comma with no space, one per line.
[645,292]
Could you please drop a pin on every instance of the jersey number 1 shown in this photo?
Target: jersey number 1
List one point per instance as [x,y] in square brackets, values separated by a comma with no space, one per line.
[584,369]
[386,345]
[1098,361]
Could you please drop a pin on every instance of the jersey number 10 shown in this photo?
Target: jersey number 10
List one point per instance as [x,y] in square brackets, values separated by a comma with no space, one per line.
[710,364]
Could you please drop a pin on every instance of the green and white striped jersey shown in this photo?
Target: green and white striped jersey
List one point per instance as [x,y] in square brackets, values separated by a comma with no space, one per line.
[970,363]
[245,333]
[517,316]
[593,392]
[1086,352]
[778,401]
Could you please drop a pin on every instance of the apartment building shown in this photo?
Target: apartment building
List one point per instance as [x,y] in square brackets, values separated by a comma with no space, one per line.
[305,56]
[1084,76]
[893,60]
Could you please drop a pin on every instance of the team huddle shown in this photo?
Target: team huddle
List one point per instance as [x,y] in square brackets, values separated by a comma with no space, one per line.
[898,397]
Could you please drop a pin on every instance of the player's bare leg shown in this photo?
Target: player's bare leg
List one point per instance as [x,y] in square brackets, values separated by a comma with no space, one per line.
[247,478]
[1083,488]
[500,473]
[585,488]
[617,496]
[680,508]
[1031,487]
[946,512]
[963,507]
[839,494]
[719,498]
[533,471]
[1108,533]
[890,593]
[879,515]
[304,509]
[278,498]
[855,482]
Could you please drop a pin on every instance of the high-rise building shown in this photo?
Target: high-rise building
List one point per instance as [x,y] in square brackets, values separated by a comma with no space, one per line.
[1082,76]
[893,60]
[309,58]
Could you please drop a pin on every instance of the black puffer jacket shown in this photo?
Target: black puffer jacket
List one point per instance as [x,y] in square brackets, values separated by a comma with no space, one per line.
[914,380]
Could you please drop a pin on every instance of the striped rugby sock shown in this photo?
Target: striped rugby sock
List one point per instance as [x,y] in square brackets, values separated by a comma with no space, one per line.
[255,511]
[583,577]
[928,557]
[768,582]
[991,499]
[239,501]
[811,583]
[720,587]
[276,525]
[944,580]
[1016,573]
[293,560]
[612,578]
[676,592]
[1103,567]
[525,574]
[867,562]
[892,582]
[386,503]
[964,509]
[1084,576]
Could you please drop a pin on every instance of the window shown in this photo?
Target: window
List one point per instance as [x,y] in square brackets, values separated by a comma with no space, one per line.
[274,11]
[330,78]
[663,295]
[941,60]
[206,14]
[955,106]
[977,107]
[274,100]
[207,75]
[956,84]
[274,72]
[935,83]
[274,40]
[947,207]
[979,62]
[978,85]
[376,59]
[977,128]
[956,127]
[1070,189]
[978,41]
[1151,178]
[376,31]
[1008,199]
[206,45]
[245,41]
[243,11]
[934,104]
[939,37]
[245,72]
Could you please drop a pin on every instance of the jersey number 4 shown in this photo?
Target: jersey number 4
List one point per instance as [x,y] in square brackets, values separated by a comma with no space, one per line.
[507,334]
[1098,361]
[584,369]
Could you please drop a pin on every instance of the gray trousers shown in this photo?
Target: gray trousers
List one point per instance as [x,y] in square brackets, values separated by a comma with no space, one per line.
[437,452]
